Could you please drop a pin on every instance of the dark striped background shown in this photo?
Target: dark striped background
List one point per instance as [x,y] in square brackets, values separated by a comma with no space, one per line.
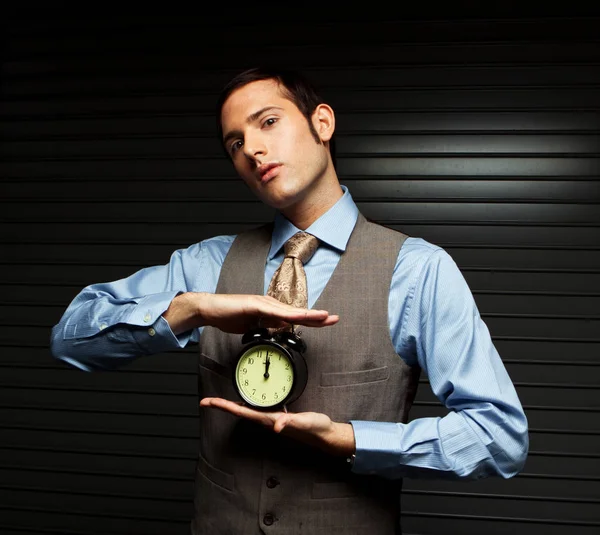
[477,131]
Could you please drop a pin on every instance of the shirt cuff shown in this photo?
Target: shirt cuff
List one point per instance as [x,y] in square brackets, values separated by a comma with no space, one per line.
[159,337]
[149,308]
[375,441]
[156,336]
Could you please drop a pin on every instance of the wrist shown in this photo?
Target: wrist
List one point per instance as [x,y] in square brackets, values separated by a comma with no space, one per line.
[199,307]
[184,313]
[339,440]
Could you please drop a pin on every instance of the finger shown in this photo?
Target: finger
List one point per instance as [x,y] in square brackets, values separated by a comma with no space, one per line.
[274,309]
[329,320]
[277,323]
[293,313]
[265,418]
[220,403]
[268,304]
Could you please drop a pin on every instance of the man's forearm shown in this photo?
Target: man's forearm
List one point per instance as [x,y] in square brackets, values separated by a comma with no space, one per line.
[105,332]
[461,444]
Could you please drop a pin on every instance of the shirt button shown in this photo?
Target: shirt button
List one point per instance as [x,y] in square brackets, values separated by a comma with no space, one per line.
[147,318]
[272,482]
[151,331]
[103,326]
[268,519]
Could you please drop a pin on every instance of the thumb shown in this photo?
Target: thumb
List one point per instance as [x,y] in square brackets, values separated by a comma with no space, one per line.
[281,422]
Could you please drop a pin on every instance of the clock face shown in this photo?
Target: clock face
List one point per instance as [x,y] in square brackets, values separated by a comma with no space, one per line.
[264,376]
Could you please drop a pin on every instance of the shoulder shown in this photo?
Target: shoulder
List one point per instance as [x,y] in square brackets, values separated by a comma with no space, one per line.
[415,253]
[383,231]
[420,251]
[214,250]
[211,250]
[420,259]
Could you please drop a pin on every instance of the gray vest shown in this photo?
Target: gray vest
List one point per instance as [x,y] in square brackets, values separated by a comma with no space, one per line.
[250,480]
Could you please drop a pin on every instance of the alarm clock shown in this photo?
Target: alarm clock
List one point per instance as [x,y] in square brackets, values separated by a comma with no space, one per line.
[271,370]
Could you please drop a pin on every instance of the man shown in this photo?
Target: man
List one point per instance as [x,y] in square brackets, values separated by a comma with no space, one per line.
[334,462]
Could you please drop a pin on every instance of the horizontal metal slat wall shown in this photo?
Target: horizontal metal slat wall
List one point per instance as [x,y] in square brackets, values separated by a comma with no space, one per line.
[479,134]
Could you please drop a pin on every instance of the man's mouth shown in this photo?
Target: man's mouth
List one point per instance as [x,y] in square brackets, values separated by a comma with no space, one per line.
[268,171]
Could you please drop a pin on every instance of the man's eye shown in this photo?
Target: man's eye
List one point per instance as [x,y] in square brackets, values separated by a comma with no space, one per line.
[270,121]
[237,145]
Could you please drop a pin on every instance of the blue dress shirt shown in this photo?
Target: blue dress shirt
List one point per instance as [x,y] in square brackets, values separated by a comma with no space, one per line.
[434,323]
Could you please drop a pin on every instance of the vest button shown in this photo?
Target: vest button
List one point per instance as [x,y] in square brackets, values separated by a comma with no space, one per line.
[268,519]
[272,482]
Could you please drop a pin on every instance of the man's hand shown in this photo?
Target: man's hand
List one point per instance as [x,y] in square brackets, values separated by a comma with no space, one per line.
[312,428]
[239,313]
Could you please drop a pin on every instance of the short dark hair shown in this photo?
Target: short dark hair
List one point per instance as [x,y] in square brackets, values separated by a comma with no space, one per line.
[294,86]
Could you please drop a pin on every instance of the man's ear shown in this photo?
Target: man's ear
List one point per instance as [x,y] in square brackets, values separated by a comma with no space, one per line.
[323,120]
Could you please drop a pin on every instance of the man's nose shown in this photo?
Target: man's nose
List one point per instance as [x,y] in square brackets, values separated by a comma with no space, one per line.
[254,147]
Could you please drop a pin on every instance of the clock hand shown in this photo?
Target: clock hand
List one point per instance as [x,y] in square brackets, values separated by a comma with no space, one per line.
[267,364]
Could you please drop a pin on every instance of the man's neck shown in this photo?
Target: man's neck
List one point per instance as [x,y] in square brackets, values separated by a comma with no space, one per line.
[306,212]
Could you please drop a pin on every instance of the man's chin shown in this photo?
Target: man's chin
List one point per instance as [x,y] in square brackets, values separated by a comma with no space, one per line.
[281,205]
[279,200]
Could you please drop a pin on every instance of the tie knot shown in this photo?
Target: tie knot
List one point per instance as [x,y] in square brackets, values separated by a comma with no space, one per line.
[301,246]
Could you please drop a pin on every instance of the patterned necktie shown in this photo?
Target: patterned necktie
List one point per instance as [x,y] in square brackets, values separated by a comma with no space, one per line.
[289,281]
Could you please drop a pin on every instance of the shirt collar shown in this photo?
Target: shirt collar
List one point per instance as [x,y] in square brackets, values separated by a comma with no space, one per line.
[332,228]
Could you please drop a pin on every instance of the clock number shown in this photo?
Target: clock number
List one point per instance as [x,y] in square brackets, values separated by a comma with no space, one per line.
[264,396]
[253,391]
[244,371]
[289,378]
[246,382]
[283,388]
[250,360]
[287,366]
[276,395]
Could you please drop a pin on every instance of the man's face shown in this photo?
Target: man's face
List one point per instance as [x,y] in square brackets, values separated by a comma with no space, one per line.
[271,145]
